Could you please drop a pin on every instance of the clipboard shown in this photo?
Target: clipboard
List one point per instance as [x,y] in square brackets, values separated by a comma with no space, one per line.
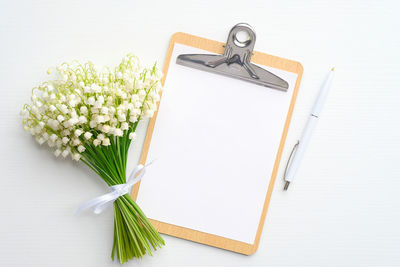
[184,193]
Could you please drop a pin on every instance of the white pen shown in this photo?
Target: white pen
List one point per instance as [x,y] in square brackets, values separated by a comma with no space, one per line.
[301,145]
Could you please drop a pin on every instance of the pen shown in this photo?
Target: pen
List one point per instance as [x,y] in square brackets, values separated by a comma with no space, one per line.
[300,147]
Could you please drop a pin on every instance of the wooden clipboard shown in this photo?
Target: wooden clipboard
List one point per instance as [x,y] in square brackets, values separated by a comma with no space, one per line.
[257,58]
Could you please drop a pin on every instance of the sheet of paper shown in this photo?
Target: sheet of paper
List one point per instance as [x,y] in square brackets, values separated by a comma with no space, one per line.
[215,141]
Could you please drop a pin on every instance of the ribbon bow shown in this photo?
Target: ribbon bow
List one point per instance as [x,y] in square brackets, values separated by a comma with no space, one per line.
[99,204]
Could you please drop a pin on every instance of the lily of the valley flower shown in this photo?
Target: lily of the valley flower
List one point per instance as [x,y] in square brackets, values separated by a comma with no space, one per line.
[86,105]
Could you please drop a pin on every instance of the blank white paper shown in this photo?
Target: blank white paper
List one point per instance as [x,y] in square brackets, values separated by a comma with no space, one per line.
[215,140]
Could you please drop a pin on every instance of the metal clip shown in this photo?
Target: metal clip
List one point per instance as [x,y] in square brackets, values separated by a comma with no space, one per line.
[288,163]
[235,62]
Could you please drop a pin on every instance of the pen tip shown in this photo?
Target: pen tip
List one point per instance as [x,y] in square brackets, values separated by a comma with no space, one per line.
[333,69]
[286,185]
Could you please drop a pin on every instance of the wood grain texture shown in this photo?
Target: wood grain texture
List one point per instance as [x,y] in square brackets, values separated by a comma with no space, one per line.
[258,58]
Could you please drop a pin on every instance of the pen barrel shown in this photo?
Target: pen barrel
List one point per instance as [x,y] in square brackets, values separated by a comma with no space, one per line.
[303,143]
[323,93]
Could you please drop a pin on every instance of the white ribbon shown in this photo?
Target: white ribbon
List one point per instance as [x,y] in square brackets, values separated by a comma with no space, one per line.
[99,204]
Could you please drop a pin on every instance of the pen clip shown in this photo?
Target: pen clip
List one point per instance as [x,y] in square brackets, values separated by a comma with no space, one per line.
[290,158]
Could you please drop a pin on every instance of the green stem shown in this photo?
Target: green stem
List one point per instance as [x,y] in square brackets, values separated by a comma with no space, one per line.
[134,235]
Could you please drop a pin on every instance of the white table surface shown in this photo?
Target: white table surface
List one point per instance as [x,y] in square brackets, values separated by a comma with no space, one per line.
[343,208]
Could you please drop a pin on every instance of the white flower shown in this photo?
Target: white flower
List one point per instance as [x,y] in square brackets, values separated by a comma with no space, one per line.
[98,105]
[132,136]
[106,142]
[82,119]
[96,142]
[92,124]
[76,156]
[72,103]
[64,109]
[118,132]
[81,148]
[60,118]
[78,132]
[74,114]
[133,119]
[51,143]
[52,108]
[53,137]
[130,106]
[57,152]
[65,140]
[38,129]
[76,142]
[59,143]
[122,117]
[136,112]
[104,110]
[65,153]
[91,100]
[96,88]
[100,137]
[84,110]
[87,135]
[54,124]
[73,121]
[99,119]
[40,140]
[105,128]
[66,124]
[124,126]
[134,98]
[87,89]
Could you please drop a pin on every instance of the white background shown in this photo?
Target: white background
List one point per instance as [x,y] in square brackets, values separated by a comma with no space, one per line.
[342,210]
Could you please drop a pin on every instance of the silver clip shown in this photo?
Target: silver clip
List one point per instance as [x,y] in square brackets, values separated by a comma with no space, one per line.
[235,62]
[288,163]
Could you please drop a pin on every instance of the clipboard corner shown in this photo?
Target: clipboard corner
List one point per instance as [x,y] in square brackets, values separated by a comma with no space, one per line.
[300,69]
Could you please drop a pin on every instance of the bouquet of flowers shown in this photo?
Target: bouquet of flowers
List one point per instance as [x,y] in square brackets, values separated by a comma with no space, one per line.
[92,116]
